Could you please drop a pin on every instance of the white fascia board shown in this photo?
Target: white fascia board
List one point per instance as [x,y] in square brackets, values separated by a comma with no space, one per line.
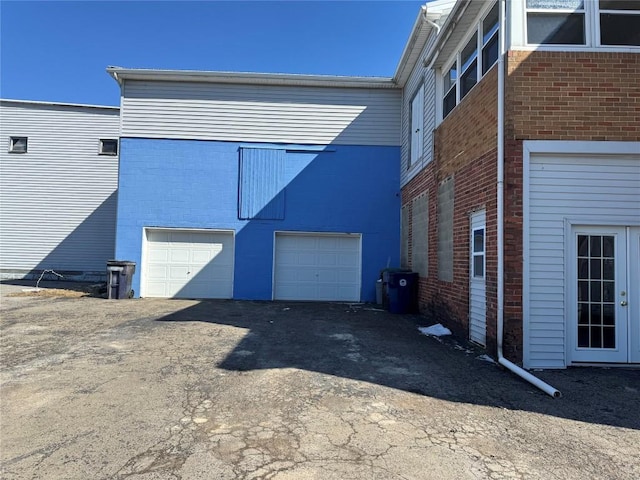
[250,78]
[432,12]
[454,29]
[57,104]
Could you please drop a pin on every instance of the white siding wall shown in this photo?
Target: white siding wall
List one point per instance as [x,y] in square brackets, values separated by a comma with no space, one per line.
[604,189]
[57,201]
[254,113]
[419,75]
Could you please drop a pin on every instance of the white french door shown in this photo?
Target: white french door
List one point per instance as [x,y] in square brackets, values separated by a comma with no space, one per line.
[634,294]
[603,321]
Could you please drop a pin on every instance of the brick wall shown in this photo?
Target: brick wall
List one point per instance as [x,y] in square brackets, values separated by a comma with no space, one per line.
[465,148]
[573,96]
[549,96]
[558,96]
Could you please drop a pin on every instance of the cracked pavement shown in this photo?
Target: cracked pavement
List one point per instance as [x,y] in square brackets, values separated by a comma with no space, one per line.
[179,389]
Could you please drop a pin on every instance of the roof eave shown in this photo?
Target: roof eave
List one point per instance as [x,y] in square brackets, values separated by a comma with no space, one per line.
[425,22]
[121,74]
[58,104]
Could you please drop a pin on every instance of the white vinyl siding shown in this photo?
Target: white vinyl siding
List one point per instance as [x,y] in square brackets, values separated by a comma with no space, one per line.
[426,77]
[592,189]
[255,113]
[57,201]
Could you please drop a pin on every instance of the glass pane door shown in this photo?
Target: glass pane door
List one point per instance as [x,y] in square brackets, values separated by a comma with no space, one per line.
[599,322]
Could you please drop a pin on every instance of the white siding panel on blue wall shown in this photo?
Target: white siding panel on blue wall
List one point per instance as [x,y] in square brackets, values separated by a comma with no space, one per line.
[254,113]
[420,75]
[58,200]
[567,188]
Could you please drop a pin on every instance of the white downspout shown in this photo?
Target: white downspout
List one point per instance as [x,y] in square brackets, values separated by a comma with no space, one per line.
[545,387]
[432,23]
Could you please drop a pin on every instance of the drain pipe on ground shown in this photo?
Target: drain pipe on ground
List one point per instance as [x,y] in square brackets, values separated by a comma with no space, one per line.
[545,387]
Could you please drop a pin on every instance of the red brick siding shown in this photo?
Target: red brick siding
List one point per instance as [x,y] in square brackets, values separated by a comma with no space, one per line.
[465,147]
[573,96]
[558,96]
[549,96]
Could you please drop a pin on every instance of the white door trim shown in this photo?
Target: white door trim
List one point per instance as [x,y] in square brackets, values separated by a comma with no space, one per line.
[633,292]
[478,285]
[144,253]
[574,354]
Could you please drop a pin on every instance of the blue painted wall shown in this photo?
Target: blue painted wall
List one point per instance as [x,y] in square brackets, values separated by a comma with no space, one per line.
[194,184]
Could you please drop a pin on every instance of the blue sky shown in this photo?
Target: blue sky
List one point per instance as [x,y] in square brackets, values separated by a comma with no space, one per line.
[58,51]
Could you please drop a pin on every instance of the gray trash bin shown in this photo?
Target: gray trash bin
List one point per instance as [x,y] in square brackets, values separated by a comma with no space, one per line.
[119,275]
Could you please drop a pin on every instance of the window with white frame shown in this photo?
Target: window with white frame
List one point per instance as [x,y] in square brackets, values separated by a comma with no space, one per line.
[619,22]
[472,62]
[416,127]
[478,253]
[17,144]
[585,23]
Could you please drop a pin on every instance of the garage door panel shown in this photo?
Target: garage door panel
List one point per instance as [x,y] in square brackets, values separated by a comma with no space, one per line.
[347,260]
[327,276]
[348,277]
[157,236]
[317,267]
[158,271]
[159,255]
[177,272]
[202,257]
[307,258]
[179,255]
[187,264]
[327,259]
[183,237]
[156,289]
[212,273]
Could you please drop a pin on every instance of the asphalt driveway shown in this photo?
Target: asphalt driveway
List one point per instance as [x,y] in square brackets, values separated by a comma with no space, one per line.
[172,389]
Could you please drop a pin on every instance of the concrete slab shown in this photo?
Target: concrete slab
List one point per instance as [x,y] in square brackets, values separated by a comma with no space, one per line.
[160,389]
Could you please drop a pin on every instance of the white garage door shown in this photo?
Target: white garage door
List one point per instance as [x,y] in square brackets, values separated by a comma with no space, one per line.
[188,264]
[317,267]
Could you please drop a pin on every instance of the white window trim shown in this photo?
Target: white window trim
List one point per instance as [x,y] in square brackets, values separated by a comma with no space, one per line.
[591,12]
[457,60]
[475,254]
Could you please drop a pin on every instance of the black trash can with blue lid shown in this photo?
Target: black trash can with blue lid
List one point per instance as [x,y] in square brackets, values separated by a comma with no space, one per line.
[403,292]
[119,276]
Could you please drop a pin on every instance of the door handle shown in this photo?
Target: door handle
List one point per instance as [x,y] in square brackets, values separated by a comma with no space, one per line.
[623,303]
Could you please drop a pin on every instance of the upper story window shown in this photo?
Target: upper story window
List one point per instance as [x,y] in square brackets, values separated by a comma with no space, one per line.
[108,146]
[490,39]
[17,144]
[619,22]
[473,61]
[580,22]
[416,120]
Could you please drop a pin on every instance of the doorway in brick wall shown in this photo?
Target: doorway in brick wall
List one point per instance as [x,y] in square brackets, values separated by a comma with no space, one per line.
[477,284]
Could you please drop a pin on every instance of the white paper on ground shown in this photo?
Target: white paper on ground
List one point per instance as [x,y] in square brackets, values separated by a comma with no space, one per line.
[436,330]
